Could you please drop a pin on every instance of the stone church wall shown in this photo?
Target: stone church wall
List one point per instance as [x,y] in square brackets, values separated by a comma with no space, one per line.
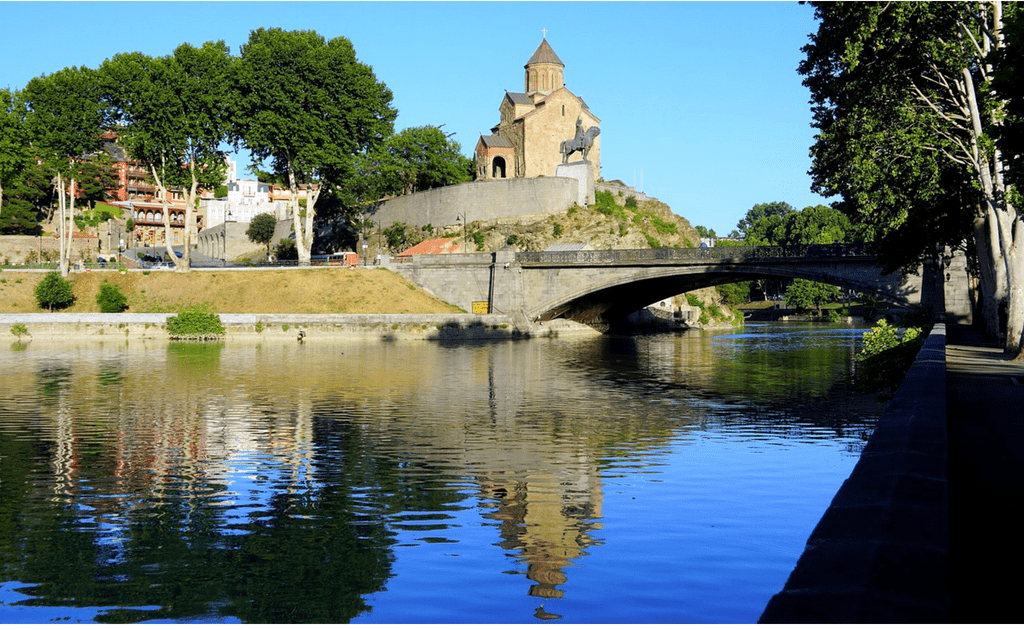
[548,126]
[480,201]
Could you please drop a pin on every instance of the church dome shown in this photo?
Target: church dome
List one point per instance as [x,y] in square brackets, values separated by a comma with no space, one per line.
[544,71]
[544,54]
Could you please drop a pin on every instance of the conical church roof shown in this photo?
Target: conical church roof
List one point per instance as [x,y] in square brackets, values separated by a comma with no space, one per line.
[544,54]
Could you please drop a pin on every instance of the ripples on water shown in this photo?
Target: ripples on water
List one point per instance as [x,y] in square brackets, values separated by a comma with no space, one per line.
[668,479]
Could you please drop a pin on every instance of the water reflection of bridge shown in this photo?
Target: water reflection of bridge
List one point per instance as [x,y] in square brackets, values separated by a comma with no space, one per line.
[602,287]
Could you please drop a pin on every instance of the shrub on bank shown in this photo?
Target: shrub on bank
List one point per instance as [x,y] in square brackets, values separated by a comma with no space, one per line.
[110,299]
[195,324]
[887,357]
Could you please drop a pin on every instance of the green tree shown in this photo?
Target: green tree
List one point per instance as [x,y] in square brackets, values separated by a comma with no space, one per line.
[54,292]
[310,107]
[814,225]
[65,119]
[760,211]
[14,144]
[907,118]
[261,229]
[419,158]
[804,294]
[174,115]
[25,197]
[705,232]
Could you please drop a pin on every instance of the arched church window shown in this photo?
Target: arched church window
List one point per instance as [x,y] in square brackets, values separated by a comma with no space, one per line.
[563,111]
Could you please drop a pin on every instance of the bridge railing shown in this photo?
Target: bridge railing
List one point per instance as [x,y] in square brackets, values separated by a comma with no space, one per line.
[690,254]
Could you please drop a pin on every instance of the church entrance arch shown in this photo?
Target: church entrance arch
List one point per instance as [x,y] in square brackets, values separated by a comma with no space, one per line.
[498,168]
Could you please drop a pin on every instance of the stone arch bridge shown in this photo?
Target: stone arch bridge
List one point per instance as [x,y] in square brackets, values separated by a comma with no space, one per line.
[602,287]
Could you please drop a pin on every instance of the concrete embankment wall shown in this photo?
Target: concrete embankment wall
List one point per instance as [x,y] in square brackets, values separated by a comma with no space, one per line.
[879,554]
[506,199]
[283,326]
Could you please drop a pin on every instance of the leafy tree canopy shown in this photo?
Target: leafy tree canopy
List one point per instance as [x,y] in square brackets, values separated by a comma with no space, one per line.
[760,211]
[418,158]
[65,116]
[24,201]
[810,226]
[14,145]
[705,232]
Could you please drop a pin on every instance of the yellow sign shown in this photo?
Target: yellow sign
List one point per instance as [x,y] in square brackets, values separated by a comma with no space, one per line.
[481,308]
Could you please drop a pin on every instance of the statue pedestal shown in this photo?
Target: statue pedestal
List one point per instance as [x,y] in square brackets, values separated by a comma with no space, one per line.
[582,172]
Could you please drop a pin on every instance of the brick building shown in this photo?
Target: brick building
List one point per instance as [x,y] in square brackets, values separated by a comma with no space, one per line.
[534,123]
[140,198]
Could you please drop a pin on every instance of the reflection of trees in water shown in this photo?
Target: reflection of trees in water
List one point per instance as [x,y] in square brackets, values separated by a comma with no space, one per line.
[150,528]
[769,374]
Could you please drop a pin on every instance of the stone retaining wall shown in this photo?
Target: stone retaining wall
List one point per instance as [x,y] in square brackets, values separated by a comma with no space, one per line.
[283,326]
[879,554]
[506,199]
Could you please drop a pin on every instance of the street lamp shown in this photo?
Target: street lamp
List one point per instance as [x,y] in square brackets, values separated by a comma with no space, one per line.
[465,243]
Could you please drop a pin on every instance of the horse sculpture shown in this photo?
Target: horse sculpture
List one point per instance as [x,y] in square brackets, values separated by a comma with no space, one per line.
[582,142]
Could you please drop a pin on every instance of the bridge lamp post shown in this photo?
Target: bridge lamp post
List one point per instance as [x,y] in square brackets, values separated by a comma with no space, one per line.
[465,243]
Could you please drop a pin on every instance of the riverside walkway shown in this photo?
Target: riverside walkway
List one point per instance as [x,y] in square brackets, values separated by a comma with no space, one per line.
[985,395]
[927,527]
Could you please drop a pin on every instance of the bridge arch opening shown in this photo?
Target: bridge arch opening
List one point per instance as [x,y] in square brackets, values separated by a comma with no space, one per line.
[605,303]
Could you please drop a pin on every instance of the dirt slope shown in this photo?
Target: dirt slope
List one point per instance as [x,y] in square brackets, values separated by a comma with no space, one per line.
[273,291]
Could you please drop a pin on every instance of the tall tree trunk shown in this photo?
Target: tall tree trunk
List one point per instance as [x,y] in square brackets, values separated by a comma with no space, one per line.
[1015,294]
[190,222]
[303,241]
[71,224]
[62,212]
[166,215]
[987,281]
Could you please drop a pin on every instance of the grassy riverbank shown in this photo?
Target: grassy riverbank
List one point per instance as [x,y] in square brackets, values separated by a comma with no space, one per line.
[314,291]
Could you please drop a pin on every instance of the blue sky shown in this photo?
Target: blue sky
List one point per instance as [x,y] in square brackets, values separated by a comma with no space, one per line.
[700,103]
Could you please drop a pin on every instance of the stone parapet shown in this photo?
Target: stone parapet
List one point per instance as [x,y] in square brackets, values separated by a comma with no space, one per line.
[879,554]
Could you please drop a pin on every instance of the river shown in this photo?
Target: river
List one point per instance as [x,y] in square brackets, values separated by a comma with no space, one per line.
[668,478]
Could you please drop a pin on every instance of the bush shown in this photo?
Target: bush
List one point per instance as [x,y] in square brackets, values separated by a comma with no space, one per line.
[286,250]
[54,292]
[111,299]
[196,323]
[886,357]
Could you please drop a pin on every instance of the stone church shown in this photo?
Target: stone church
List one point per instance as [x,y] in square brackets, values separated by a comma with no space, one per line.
[534,123]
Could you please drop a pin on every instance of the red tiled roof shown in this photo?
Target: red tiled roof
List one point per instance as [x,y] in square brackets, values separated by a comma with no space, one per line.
[435,246]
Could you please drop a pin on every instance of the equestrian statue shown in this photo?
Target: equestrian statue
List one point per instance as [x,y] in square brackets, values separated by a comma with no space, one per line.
[582,142]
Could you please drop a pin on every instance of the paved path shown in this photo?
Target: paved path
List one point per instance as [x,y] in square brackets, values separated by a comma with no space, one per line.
[985,395]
